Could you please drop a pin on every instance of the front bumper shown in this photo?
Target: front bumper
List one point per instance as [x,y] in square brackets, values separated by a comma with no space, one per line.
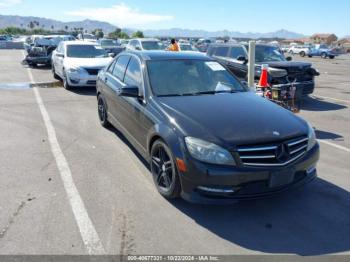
[238,183]
[38,60]
[81,79]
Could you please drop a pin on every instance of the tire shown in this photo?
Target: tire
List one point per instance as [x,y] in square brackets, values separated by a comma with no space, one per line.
[65,81]
[310,56]
[324,55]
[302,53]
[164,171]
[102,111]
[56,76]
[331,56]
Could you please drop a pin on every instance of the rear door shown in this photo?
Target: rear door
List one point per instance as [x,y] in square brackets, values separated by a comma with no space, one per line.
[238,68]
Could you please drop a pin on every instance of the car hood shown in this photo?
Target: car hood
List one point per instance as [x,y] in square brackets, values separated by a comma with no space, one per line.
[288,65]
[87,62]
[231,119]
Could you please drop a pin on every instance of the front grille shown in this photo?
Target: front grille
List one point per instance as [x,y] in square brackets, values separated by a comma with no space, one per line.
[273,154]
[92,71]
[91,82]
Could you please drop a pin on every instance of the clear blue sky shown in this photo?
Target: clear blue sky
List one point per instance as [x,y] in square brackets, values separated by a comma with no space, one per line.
[303,16]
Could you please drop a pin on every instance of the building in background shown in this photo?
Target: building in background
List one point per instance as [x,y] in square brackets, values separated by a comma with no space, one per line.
[323,38]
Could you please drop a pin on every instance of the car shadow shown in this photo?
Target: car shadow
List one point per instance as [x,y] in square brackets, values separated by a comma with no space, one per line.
[121,137]
[84,91]
[318,104]
[328,135]
[310,221]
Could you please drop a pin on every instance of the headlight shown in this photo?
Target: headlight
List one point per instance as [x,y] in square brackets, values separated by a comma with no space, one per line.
[75,70]
[312,138]
[208,152]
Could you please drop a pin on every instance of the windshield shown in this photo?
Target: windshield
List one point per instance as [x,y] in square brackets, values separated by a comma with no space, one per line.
[152,45]
[190,77]
[187,48]
[108,43]
[86,51]
[268,54]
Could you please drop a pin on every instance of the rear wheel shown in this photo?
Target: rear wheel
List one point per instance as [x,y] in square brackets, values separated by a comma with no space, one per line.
[102,111]
[164,171]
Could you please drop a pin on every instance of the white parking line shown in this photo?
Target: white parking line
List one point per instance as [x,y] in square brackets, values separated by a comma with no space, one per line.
[87,230]
[331,98]
[335,145]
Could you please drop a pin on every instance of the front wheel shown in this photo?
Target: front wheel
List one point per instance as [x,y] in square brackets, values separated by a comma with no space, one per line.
[164,171]
[302,53]
[65,81]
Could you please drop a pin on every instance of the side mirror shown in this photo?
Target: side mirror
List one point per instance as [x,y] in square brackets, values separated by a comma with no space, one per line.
[289,58]
[243,59]
[60,55]
[129,91]
[138,48]
[111,55]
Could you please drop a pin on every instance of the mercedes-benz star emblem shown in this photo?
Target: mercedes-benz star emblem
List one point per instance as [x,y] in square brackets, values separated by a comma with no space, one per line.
[282,153]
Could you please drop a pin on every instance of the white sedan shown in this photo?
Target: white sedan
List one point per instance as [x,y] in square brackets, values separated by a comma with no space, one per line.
[77,63]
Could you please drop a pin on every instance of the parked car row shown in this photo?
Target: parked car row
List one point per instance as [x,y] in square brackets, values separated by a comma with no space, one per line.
[312,50]
[186,113]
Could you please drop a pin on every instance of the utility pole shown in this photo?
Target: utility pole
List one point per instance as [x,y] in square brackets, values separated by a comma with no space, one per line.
[251,65]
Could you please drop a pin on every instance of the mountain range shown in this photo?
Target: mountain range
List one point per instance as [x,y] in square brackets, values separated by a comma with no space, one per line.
[89,25]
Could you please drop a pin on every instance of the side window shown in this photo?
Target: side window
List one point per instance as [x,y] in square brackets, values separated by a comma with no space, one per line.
[237,51]
[120,67]
[111,67]
[221,51]
[133,76]
[60,48]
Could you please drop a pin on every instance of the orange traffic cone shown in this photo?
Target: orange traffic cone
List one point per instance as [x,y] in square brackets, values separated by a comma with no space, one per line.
[263,83]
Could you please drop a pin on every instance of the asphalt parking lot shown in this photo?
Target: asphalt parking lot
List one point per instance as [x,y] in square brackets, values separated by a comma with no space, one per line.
[107,203]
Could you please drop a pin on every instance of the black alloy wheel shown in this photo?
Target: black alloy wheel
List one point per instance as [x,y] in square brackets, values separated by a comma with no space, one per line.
[164,171]
[102,112]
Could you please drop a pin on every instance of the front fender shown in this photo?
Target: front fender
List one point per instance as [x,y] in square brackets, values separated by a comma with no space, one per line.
[170,137]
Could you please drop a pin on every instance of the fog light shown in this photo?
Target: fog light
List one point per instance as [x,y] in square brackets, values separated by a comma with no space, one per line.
[74,81]
[216,190]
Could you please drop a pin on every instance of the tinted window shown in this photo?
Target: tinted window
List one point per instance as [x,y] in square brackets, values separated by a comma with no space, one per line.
[192,77]
[236,51]
[133,74]
[221,51]
[120,67]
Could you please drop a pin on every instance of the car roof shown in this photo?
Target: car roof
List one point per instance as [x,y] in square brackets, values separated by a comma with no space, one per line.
[79,43]
[145,39]
[167,55]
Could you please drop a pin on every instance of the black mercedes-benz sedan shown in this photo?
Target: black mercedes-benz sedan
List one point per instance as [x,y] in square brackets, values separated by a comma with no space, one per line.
[205,136]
